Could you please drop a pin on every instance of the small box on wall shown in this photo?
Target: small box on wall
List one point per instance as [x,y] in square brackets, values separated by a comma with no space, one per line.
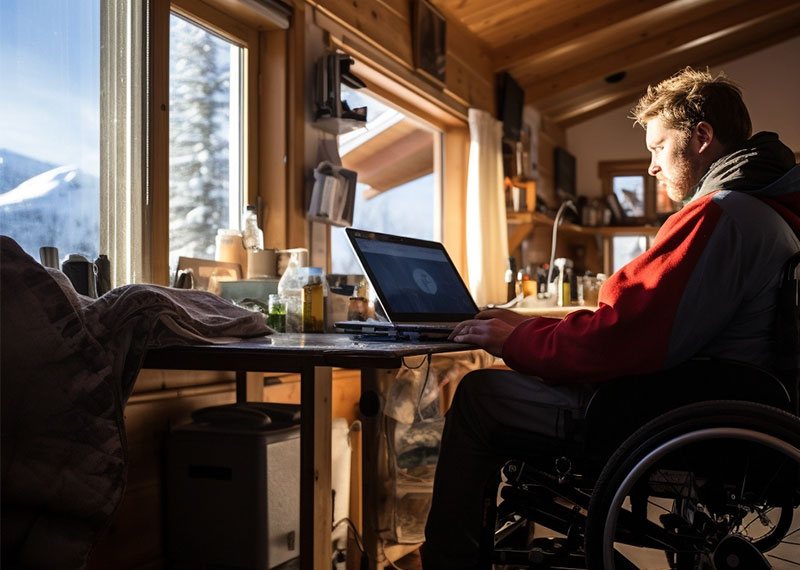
[333,195]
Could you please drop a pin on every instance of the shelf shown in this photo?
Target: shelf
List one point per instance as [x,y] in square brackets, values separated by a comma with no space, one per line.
[534,218]
[336,126]
[524,223]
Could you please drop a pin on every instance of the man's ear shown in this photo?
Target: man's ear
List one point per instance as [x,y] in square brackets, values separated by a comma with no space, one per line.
[704,135]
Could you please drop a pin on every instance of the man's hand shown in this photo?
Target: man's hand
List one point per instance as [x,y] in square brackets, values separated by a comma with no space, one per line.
[489,329]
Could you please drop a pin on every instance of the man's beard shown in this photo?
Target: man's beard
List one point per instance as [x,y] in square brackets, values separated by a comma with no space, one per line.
[686,175]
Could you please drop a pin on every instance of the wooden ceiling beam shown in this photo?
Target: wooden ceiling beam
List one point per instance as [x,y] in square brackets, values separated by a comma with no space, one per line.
[567,36]
[734,19]
[481,15]
[577,105]
[391,159]
[509,22]
[561,51]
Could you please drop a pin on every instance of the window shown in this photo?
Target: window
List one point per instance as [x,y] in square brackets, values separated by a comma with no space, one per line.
[50,138]
[205,138]
[641,198]
[629,191]
[396,156]
[626,248]
[81,153]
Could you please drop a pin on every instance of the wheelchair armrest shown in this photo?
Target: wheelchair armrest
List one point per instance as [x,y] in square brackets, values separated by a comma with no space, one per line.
[622,405]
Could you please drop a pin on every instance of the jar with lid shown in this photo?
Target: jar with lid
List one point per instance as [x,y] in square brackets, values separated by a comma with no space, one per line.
[229,247]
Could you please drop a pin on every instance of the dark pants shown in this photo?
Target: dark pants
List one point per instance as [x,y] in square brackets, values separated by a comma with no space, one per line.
[487,404]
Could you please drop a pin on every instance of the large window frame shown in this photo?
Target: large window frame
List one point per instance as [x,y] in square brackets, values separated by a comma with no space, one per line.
[378,156]
[451,148]
[264,142]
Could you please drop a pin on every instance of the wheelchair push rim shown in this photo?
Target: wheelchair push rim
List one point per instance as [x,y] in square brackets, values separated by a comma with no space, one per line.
[650,459]
[705,487]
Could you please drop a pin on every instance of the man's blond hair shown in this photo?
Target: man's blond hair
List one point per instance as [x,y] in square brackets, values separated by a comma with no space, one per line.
[691,96]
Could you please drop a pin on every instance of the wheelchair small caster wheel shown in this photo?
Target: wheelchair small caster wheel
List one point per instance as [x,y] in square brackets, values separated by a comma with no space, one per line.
[735,552]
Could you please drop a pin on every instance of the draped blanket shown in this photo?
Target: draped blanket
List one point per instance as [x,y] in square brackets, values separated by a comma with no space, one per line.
[67,366]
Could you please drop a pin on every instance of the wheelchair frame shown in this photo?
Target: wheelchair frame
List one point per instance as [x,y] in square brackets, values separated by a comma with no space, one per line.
[563,492]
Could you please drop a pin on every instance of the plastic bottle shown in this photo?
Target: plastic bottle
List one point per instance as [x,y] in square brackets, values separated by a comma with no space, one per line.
[313,300]
[290,287]
[252,236]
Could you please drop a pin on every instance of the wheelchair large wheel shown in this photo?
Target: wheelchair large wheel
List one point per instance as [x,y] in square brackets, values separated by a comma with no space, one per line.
[710,486]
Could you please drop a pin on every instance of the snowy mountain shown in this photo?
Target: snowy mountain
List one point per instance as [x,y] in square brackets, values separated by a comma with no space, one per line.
[48,204]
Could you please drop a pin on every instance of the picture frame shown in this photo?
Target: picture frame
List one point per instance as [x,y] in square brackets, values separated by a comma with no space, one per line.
[430,41]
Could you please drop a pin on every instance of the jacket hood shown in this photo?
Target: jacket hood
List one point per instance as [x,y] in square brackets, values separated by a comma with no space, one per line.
[764,167]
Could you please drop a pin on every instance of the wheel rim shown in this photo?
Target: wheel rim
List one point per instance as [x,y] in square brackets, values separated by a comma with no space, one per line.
[661,451]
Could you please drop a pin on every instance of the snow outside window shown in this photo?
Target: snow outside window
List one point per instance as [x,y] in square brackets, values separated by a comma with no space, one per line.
[71,141]
[50,134]
[205,139]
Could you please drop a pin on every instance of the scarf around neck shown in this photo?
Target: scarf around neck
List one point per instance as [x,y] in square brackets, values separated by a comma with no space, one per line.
[761,160]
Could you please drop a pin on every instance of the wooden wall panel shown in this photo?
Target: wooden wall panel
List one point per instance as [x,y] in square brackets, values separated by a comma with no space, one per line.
[273,89]
[296,225]
[550,136]
[386,25]
[469,73]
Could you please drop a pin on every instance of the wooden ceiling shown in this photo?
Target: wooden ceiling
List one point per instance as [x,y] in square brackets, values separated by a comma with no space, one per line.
[563,52]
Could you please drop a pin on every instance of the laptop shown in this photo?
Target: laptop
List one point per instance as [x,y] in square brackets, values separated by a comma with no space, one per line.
[416,283]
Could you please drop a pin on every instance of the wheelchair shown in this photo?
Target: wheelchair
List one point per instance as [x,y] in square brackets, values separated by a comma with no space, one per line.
[692,468]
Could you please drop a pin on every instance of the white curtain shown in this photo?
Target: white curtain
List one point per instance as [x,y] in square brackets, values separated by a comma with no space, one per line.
[487,234]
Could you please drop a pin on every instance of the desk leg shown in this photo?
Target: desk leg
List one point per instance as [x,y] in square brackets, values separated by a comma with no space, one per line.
[377,382]
[249,386]
[315,468]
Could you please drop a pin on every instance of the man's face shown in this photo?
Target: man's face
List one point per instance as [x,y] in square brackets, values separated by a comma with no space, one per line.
[672,161]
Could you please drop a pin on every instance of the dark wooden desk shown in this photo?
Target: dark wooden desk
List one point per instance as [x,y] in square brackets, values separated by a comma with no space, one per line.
[313,356]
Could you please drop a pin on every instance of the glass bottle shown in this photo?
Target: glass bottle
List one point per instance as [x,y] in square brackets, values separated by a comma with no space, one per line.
[313,301]
[277,313]
[252,236]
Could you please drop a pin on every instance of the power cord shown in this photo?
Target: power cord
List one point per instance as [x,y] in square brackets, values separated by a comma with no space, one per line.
[424,385]
[364,564]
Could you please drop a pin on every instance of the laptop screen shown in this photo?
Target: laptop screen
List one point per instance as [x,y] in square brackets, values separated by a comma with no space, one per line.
[414,279]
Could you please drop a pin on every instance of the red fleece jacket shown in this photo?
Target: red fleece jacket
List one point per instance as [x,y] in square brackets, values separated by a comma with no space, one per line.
[629,333]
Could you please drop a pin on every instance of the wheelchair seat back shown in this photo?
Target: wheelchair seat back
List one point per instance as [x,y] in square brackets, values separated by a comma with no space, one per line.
[787,330]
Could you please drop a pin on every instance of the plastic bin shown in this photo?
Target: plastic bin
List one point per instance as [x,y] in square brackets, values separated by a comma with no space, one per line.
[233,489]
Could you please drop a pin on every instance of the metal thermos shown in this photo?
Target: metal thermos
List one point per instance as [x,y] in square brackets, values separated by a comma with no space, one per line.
[49,256]
[81,273]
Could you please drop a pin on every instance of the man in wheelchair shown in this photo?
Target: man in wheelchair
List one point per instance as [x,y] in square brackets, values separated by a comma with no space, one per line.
[689,457]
